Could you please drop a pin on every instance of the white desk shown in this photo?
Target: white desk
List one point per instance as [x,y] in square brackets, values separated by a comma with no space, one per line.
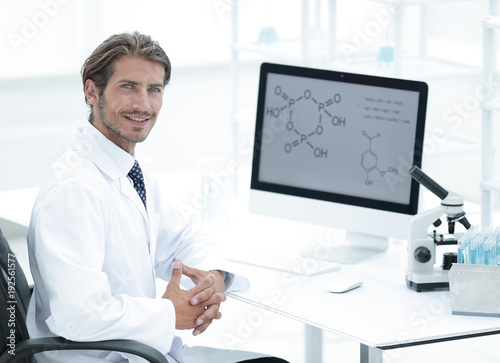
[383,314]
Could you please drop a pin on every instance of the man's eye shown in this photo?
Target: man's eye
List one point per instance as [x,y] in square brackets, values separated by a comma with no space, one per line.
[127,86]
[155,89]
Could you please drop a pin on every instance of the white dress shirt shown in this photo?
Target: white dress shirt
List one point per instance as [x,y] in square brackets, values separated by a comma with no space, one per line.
[95,251]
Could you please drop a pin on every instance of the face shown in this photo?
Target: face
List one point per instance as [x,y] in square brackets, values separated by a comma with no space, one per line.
[132,99]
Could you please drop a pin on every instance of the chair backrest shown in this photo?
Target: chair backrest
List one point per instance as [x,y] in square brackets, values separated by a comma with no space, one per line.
[14,298]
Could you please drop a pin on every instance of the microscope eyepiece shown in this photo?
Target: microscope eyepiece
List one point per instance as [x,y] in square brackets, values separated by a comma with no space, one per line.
[427,182]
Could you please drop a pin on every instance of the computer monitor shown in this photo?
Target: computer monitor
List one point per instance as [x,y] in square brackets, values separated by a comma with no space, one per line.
[335,149]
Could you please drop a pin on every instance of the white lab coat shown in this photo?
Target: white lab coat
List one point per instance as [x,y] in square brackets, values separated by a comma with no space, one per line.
[95,252]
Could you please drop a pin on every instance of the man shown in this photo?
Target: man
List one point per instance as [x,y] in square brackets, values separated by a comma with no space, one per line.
[100,233]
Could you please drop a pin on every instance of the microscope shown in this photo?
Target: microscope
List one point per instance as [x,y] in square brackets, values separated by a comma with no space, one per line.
[421,272]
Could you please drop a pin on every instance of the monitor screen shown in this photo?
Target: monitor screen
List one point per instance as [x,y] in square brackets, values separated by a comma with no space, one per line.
[337,138]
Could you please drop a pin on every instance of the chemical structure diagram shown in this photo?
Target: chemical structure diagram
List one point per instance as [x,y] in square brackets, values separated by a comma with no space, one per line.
[369,160]
[307,108]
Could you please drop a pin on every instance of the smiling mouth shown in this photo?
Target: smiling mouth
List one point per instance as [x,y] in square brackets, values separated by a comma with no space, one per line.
[137,119]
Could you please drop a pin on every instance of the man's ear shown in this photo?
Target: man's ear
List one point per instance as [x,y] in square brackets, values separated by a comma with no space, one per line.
[91,92]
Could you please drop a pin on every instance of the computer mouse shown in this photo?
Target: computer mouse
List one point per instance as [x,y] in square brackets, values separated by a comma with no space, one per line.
[340,285]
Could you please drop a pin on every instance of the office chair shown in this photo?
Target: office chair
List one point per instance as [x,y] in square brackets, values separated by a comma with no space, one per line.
[14,302]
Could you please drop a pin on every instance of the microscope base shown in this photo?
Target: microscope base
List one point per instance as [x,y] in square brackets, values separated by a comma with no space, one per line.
[421,286]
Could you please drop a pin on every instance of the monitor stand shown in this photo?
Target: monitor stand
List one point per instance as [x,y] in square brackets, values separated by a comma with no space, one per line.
[356,247]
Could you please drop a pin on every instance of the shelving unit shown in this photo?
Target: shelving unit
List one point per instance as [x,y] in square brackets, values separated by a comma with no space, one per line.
[490,105]
[325,50]
[424,60]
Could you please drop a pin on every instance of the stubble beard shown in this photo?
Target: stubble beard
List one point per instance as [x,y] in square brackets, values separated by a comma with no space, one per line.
[116,134]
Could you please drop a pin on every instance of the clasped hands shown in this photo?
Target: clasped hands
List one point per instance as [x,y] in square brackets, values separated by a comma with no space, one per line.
[197,307]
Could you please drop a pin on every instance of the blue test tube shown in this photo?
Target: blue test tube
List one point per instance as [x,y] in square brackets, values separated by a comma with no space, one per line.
[469,236]
[461,243]
[473,247]
[497,245]
[476,249]
[490,251]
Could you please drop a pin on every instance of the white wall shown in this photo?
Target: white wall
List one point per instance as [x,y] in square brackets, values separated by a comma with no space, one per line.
[43,44]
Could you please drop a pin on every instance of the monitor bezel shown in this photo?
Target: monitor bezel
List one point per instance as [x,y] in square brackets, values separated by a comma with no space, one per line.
[394,83]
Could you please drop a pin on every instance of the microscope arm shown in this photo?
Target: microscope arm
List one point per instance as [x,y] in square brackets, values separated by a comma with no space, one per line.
[420,223]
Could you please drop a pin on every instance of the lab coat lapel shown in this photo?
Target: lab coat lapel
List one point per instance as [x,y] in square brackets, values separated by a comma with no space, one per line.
[154,225]
[88,141]
[128,190]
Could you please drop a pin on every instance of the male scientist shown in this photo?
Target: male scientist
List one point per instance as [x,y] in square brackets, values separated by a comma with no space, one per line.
[100,232]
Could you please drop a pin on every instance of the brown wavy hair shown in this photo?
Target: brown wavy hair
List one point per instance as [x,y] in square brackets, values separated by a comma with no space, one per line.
[99,67]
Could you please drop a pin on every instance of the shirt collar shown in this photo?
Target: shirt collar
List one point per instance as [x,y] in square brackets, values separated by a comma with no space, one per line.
[122,159]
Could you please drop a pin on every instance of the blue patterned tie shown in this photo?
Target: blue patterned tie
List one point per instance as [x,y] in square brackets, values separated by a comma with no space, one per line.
[136,175]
